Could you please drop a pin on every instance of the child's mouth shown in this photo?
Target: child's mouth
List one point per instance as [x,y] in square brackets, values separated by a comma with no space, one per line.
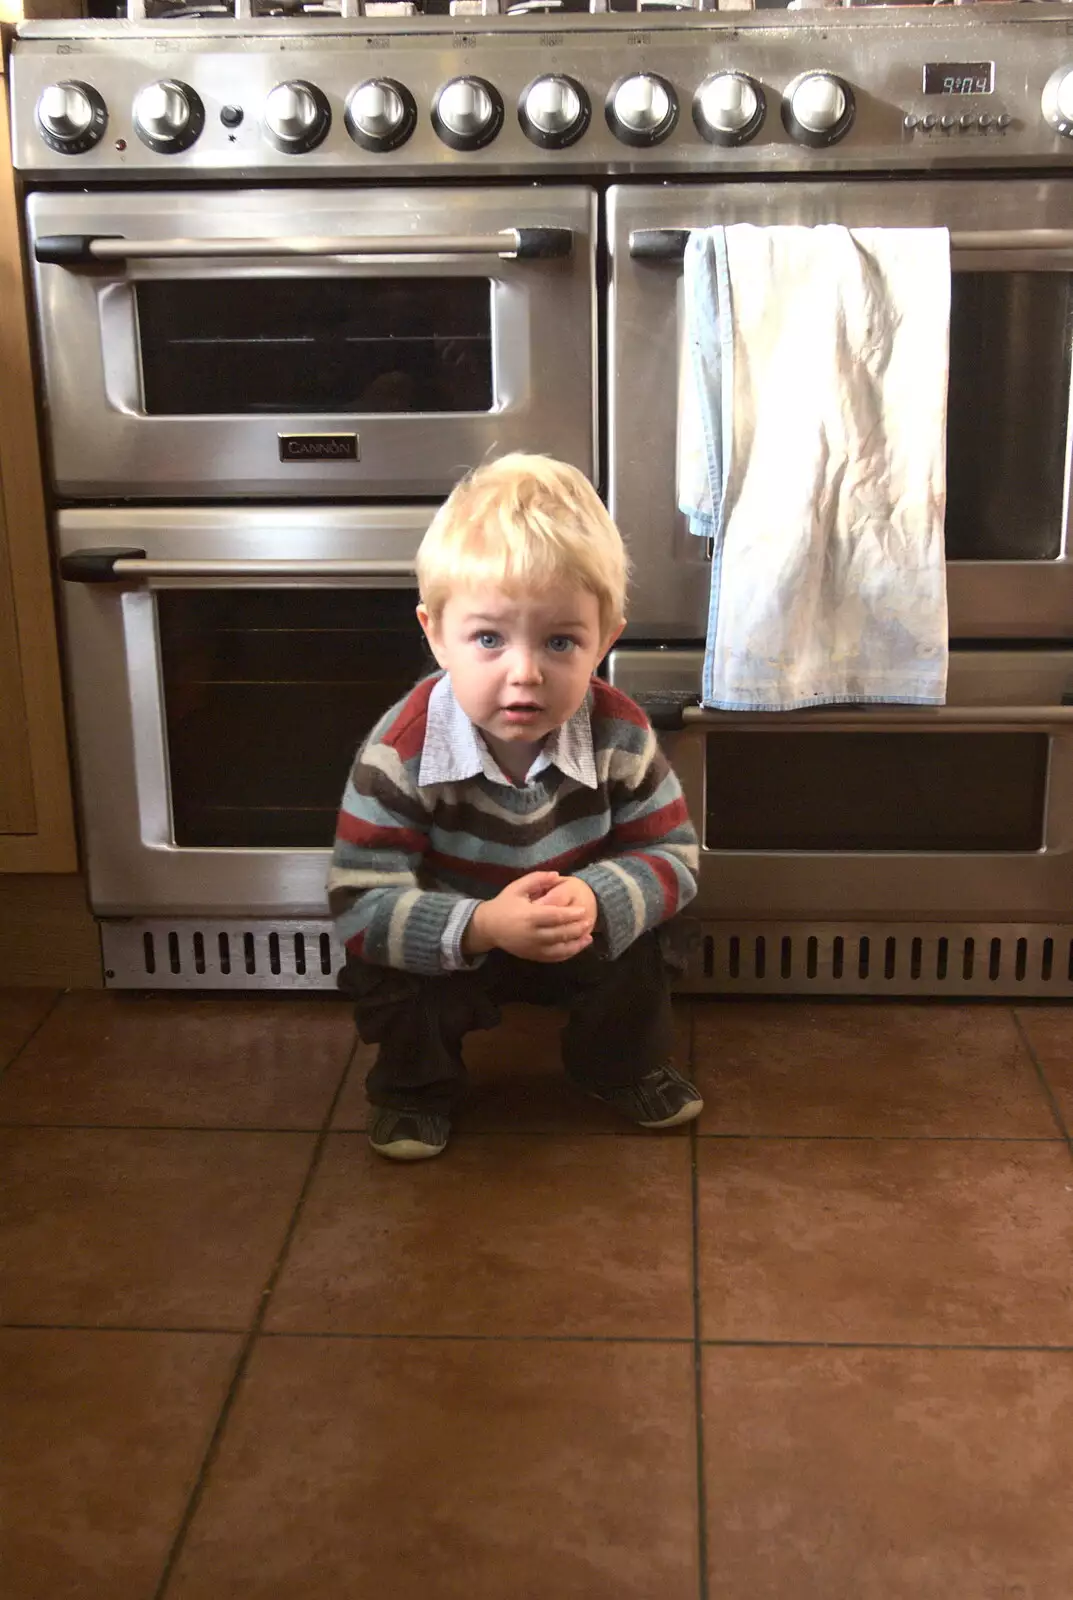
[522,712]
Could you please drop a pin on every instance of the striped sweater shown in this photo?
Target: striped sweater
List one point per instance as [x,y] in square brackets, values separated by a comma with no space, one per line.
[406,853]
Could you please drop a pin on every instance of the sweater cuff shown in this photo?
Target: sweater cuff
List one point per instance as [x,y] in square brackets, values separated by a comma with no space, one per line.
[413,936]
[618,920]
[454,958]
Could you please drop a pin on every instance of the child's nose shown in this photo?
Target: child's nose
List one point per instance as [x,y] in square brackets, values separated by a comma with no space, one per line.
[525,668]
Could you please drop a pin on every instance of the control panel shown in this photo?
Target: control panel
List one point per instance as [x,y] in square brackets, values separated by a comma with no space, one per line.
[614,94]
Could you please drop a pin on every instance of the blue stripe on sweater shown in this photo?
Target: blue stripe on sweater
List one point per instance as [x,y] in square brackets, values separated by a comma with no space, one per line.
[571,836]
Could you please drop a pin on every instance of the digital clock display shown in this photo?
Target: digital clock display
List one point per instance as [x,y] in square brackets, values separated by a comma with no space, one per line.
[959,77]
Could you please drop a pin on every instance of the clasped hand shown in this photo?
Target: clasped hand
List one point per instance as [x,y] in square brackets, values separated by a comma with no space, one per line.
[541,917]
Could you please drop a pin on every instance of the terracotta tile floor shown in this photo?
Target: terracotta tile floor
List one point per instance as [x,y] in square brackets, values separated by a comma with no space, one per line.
[819,1347]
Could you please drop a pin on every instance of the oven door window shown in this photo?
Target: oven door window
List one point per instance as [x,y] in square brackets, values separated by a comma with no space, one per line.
[1008,414]
[266,346]
[912,792]
[267,695]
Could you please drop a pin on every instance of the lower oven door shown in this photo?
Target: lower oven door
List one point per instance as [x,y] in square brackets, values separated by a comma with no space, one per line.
[371,343]
[1009,567]
[223,666]
[886,814]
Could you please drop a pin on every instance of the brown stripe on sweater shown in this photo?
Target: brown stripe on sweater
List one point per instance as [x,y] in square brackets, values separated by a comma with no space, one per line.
[462,816]
[623,794]
[374,782]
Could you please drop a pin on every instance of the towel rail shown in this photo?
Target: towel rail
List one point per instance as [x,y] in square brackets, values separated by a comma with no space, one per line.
[889,719]
[669,244]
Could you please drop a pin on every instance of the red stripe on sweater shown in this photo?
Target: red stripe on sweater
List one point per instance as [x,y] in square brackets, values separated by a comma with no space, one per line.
[656,825]
[608,701]
[667,879]
[406,736]
[355,945]
[370,836]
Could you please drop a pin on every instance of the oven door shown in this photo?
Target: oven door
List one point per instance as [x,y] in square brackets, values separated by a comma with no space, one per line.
[895,814]
[223,667]
[1010,573]
[346,343]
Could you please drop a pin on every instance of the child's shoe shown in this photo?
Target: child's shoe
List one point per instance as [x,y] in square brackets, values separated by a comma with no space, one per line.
[661,1099]
[409,1135]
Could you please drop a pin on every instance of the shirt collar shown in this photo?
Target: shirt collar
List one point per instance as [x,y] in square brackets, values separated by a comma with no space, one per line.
[454,750]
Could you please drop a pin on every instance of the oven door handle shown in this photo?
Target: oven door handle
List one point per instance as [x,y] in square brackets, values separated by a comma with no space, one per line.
[509,244]
[123,565]
[899,719]
[669,244]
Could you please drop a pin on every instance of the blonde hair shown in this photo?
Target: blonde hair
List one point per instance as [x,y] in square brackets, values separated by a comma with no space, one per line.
[521,524]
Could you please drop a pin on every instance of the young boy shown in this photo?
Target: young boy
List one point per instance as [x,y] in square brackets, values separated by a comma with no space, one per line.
[511,829]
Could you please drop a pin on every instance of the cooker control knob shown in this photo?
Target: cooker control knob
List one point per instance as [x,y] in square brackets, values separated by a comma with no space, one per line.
[1057,103]
[728,108]
[168,116]
[71,117]
[467,113]
[641,109]
[297,116]
[817,108]
[380,114]
[554,112]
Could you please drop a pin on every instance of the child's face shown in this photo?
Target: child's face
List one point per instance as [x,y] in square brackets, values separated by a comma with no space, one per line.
[519,666]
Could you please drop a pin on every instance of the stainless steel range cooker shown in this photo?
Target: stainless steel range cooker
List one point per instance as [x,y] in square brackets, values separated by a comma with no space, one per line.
[295,273]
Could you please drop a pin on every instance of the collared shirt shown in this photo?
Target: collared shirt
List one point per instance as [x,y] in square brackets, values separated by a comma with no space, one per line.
[454,751]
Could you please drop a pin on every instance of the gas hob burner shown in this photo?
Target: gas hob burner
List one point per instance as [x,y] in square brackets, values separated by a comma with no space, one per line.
[231,10]
[240,10]
[168,11]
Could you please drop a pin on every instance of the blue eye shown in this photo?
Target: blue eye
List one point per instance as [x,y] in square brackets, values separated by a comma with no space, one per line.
[560,644]
[488,640]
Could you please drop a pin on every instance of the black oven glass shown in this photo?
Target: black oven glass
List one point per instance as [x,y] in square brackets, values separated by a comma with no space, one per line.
[267,695]
[224,346]
[876,791]
[1008,414]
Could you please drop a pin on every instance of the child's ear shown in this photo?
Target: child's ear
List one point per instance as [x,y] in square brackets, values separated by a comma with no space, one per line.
[431,629]
[611,638]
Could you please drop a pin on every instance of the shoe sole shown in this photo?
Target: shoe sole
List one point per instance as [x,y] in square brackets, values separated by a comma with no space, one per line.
[408,1150]
[688,1113]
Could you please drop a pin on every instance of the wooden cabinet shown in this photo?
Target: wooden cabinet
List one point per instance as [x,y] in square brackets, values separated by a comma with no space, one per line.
[36,827]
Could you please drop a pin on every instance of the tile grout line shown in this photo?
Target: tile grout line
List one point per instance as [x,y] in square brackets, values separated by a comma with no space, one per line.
[977,1346]
[714,1343]
[216,1127]
[359,1337]
[1056,1110]
[164,1127]
[32,1035]
[1062,1137]
[698,1371]
[892,1138]
[245,1353]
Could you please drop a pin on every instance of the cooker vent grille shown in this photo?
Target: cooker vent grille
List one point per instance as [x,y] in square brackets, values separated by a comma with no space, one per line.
[201,954]
[881,958]
[953,960]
